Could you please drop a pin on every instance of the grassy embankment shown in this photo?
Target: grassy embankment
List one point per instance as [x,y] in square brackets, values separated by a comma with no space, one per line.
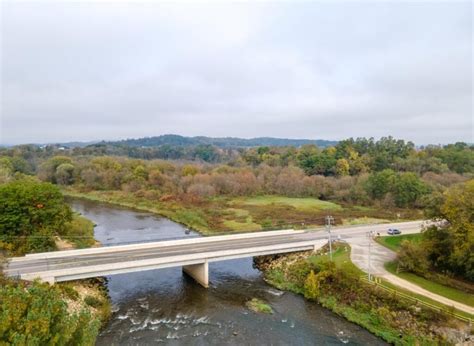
[79,234]
[340,290]
[230,214]
[393,243]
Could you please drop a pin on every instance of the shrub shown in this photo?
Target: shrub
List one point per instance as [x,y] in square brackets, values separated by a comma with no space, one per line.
[412,258]
[69,291]
[311,286]
[93,301]
[36,315]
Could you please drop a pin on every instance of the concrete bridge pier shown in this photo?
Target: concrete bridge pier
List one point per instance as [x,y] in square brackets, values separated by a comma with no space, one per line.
[199,272]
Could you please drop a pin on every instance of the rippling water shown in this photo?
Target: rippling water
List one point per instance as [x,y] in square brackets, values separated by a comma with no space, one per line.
[165,306]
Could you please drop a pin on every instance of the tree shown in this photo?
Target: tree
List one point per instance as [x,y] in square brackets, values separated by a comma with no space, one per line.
[30,214]
[47,170]
[379,183]
[450,245]
[65,174]
[412,258]
[407,188]
[438,246]
[189,170]
[342,167]
[311,286]
[458,209]
[37,315]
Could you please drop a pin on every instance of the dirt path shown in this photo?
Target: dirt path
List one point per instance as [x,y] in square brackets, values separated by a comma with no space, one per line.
[380,255]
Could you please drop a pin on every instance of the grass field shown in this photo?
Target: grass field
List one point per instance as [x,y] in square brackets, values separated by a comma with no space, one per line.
[442,290]
[393,242]
[297,203]
[363,221]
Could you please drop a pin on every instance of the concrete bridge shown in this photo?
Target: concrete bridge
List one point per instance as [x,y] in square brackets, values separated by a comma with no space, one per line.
[193,255]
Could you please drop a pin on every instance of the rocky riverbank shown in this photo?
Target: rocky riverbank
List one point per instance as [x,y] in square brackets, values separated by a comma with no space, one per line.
[337,286]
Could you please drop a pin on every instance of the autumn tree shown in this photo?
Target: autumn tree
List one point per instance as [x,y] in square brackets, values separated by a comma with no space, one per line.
[30,214]
[342,167]
[311,286]
[37,315]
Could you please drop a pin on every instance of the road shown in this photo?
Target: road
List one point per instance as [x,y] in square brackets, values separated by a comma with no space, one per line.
[78,258]
[97,260]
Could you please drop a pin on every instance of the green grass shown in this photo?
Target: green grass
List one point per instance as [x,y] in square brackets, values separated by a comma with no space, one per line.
[80,232]
[298,203]
[442,290]
[247,225]
[238,213]
[258,305]
[426,299]
[341,257]
[363,221]
[393,242]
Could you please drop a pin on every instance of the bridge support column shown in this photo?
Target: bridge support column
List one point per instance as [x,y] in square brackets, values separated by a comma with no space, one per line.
[199,272]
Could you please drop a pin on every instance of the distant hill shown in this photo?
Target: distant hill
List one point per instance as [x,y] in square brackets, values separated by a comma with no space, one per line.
[224,142]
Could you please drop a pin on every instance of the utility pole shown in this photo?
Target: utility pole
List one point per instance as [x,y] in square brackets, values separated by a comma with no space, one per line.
[370,234]
[329,220]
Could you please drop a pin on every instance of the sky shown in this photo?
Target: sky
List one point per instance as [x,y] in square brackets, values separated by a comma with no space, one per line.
[82,71]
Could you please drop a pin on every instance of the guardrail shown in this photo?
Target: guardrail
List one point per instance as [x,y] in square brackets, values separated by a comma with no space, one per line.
[378,283]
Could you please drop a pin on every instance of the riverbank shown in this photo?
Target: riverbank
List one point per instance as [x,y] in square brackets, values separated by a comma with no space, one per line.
[337,286]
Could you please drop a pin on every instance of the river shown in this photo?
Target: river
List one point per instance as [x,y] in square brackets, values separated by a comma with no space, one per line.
[165,306]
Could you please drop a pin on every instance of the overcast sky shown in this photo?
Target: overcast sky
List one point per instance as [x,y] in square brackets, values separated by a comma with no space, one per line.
[110,70]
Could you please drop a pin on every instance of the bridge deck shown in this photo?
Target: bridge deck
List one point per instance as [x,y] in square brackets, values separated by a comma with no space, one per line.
[77,264]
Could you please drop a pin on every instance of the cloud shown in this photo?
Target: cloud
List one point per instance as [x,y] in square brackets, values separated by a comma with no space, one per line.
[84,70]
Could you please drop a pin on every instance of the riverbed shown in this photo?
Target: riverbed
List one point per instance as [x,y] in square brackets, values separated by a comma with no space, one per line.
[165,306]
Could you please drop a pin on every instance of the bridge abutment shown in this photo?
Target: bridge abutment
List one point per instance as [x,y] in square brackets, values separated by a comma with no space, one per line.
[199,272]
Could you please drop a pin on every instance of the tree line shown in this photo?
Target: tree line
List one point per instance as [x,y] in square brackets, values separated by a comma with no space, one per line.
[446,247]
[389,172]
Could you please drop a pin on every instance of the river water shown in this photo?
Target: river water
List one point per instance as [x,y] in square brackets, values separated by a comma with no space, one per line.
[165,306]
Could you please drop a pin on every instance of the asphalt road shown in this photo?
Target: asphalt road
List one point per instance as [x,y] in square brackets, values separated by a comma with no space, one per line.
[121,254]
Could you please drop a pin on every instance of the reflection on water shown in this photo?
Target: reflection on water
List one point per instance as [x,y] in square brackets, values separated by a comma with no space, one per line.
[165,306]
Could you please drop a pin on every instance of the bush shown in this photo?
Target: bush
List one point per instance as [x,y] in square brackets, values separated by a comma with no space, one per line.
[93,301]
[411,257]
[36,315]
[311,286]
[69,291]
[79,231]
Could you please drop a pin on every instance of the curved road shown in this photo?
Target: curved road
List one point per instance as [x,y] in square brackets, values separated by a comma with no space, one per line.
[379,256]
